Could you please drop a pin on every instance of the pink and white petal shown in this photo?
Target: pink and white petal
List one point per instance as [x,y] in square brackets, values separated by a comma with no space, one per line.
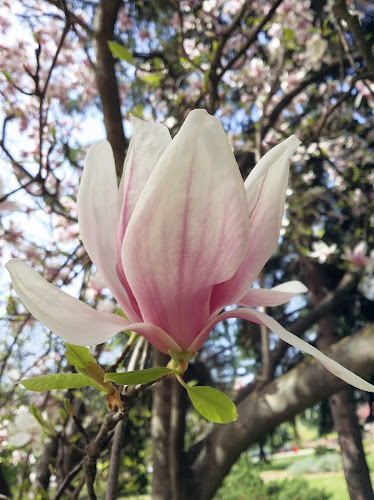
[19,439]
[189,229]
[26,421]
[260,297]
[262,318]
[71,319]
[266,189]
[98,215]
[148,143]
[66,316]
[156,336]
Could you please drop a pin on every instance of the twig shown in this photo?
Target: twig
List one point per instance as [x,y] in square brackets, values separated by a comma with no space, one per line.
[69,477]
[340,10]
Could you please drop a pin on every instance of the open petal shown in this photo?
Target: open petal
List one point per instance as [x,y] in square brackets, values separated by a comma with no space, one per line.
[98,215]
[20,439]
[266,189]
[148,142]
[260,297]
[189,229]
[262,318]
[66,316]
[71,319]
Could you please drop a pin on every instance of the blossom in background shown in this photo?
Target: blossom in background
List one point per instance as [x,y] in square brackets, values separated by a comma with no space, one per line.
[358,255]
[179,240]
[365,89]
[7,206]
[321,251]
[24,430]
[315,48]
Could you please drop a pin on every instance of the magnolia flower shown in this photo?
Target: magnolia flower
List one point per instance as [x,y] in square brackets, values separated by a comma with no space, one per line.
[24,430]
[321,251]
[315,48]
[7,206]
[358,255]
[178,241]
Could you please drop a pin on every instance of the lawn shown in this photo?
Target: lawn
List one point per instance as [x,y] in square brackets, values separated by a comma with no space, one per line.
[333,482]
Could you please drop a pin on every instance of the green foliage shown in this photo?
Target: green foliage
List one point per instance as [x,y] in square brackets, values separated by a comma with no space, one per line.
[79,356]
[59,381]
[86,364]
[244,483]
[121,52]
[321,450]
[154,78]
[139,376]
[330,462]
[212,404]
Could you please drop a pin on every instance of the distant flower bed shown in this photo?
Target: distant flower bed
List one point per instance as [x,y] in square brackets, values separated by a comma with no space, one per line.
[330,462]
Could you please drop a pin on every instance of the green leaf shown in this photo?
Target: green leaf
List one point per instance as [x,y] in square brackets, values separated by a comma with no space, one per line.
[158,63]
[289,34]
[121,52]
[59,381]
[139,376]
[212,404]
[119,312]
[79,356]
[206,78]
[152,78]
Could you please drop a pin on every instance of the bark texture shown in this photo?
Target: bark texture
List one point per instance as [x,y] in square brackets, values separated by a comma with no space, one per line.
[211,458]
[354,461]
[342,406]
[168,430]
[161,410]
[48,458]
[106,16]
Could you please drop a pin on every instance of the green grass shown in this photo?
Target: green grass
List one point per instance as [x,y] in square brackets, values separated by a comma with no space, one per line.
[334,484]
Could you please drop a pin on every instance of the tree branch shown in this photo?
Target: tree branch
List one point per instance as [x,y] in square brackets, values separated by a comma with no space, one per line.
[105,19]
[213,456]
[340,10]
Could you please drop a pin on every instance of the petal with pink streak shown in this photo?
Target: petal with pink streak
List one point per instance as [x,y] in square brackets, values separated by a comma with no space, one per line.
[260,297]
[189,229]
[98,215]
[148,142]
[266,189]
[263,319]
[71,319]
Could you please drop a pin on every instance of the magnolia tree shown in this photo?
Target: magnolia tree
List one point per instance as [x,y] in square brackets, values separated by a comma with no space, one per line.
[177,234]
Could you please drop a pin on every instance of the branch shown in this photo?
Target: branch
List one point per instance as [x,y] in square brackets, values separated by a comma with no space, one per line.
[284,398]
[340,10]
[332,301]
[252,37]
[105,19]
[288,98]
[117,445]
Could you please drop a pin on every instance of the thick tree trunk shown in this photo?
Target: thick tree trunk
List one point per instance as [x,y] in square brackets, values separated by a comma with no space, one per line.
[168,430]
[211,458]
[341,405]
[161,410]
[354,461]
